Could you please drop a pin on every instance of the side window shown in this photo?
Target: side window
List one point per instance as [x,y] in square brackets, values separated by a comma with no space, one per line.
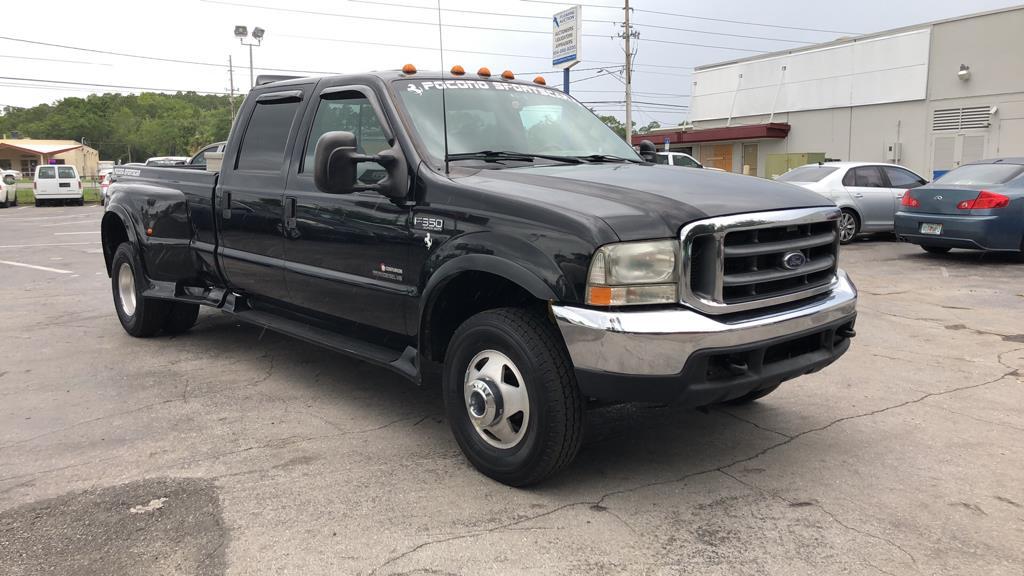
[263,145]
[868,176]
[349,112]
[47,172]
[66,172]
[661,159]
[848,178]
[900,178]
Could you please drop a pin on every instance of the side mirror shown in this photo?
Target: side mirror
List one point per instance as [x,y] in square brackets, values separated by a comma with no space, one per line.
[648,151]
[334,167]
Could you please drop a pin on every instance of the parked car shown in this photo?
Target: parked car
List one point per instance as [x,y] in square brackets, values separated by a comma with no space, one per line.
[104,183]
[527,270]
[58,182]
[8,191]
[868,193]
[199,159]
[678,159]
[978,206]
[13,173]
[167,161]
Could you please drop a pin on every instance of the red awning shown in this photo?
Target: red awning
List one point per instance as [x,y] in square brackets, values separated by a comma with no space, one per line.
[755,131]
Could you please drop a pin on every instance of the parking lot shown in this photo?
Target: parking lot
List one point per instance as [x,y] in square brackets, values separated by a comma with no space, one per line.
[232,451]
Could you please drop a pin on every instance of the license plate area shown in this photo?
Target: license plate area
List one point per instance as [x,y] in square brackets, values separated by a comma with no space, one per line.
[930,228]
[65,184]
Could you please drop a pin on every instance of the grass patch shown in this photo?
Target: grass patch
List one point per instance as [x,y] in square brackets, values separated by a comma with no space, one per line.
[25,196]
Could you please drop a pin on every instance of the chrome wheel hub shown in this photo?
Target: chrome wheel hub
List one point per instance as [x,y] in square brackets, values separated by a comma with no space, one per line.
[126,288]
[497,402]
[847,227]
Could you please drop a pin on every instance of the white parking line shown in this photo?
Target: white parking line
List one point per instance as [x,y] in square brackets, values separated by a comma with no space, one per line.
[43,268]
[46,245]
[70,233]
[74,223]
[35,218]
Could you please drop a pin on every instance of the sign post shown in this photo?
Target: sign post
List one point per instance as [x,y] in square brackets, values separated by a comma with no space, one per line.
[565,41]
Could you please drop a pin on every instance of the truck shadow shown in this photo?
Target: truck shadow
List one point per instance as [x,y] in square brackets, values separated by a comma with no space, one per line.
[628,442]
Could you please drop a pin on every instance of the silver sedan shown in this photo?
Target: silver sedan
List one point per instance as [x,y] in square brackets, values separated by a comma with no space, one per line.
[868,193]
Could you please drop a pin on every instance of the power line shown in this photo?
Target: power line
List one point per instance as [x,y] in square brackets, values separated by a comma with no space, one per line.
[154,58]
[109,85]
[449,25]
[680,15]
[52,60]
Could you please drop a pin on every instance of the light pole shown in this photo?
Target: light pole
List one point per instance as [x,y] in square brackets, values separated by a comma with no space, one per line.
[241,32]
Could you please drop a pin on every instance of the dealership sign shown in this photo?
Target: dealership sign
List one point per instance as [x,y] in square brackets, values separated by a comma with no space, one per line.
[565,37]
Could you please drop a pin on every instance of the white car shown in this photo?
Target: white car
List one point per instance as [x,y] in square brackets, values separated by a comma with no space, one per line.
[677,159]
[869,193]
[8,191]
[58,182]
[14,173]
[167,161]
[104,181]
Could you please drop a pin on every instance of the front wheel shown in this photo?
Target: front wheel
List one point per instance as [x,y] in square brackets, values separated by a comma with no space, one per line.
[849,226]
[511,396]
[139,316]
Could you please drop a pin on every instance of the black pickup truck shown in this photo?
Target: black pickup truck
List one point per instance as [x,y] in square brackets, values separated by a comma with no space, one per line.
[491,234]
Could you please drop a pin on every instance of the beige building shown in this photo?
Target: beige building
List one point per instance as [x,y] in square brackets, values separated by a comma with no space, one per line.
[930,97]
[24,154]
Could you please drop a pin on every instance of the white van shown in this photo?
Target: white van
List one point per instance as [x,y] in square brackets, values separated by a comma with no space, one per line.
[57,182]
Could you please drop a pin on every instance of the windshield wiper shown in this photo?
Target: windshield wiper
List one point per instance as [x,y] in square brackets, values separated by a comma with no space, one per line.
[607,158]
[495,156]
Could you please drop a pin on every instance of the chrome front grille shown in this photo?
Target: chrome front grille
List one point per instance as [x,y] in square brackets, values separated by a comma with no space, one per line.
[747,261]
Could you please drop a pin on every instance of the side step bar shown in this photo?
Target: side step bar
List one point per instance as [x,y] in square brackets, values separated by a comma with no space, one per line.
[402,362]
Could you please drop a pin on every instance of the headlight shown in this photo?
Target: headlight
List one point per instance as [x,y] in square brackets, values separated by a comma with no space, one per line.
[633,273]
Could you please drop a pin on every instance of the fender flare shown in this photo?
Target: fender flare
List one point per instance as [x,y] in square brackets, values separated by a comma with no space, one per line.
[495,265]
[117,211]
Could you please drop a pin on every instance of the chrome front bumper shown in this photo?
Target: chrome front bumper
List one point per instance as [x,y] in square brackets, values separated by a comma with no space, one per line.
[659,343]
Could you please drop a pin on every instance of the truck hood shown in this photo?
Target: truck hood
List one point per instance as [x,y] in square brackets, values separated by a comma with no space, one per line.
[642,201]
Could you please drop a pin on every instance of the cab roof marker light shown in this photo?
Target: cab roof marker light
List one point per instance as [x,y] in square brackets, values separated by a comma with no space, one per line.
[408,69]
[458,70]
[484,71]
[508,75]
[540,80]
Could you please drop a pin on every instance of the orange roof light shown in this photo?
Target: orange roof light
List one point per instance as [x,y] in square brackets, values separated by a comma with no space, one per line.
[540,80]
[458,70]
[484,71]
[408,69]
[508,75]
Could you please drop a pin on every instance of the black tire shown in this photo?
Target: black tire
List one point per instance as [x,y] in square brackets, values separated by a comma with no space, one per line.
[180,317]
[856,226]
[81,201]
[555,426]
[149,314]
[6,203]
[752,396]
[936,249]
[15,203]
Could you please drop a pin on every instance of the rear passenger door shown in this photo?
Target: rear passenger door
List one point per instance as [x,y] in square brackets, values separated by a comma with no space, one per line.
[249,198]
[901,180]
[871,194]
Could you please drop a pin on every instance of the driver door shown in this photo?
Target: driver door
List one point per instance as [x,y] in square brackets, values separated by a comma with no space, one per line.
[347,254]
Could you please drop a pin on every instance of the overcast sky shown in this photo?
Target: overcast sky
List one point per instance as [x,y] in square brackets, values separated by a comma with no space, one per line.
[328,36]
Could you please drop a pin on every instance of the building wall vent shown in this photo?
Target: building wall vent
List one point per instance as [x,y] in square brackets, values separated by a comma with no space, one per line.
[961,118]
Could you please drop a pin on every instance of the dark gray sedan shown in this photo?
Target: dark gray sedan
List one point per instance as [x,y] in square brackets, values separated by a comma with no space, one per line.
[978,206]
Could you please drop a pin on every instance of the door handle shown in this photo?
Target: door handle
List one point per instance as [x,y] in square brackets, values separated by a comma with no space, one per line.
[226,212]
[858,194]
[289,212]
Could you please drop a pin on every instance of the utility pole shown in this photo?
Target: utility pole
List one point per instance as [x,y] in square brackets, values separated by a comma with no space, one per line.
[627,35]
[231,80]
[252,82]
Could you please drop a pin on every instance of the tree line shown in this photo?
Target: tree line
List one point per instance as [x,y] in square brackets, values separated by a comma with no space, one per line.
[126,127]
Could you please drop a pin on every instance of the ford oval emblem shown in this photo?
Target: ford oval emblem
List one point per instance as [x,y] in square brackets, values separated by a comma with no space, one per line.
[793,260]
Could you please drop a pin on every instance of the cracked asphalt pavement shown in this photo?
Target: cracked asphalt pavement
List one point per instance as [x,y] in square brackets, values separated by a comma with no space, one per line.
[276,457]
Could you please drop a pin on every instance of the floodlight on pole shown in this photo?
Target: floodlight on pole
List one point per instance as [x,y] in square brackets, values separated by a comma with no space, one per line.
[241,32]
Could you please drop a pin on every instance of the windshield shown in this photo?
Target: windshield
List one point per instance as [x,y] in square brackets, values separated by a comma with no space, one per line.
[811,173]
[981,174]
[502,116]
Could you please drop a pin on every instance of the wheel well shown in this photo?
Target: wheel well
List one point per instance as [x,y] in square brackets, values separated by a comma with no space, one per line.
[113,233]
[466,294]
